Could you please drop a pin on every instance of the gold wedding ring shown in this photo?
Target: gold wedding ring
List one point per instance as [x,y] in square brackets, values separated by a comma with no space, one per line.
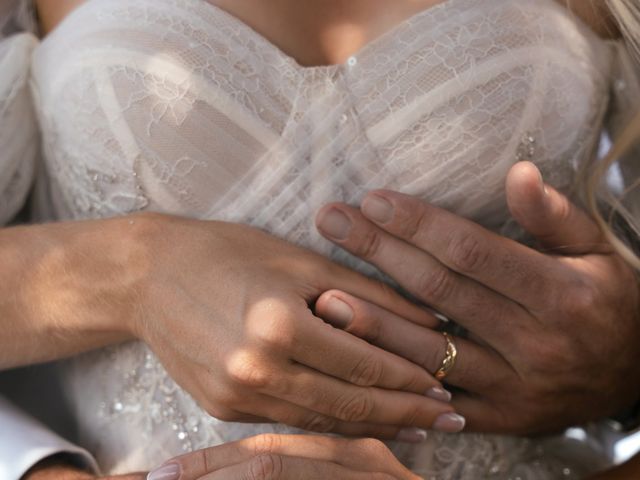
[449,360]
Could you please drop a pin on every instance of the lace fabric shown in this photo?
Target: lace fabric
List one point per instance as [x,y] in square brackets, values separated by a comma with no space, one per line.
[176,106]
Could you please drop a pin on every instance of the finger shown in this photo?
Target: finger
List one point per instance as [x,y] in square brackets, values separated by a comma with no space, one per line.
[505,266]
[491,316]
[487,415]
[275,467]
[335,398]
[376,292]
[369,455]
[352,359]
[308,388]
[481,414]
[550,216]
[476,367]
[293,415]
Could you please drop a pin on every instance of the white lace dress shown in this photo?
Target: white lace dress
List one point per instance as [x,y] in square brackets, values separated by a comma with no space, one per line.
[178,107]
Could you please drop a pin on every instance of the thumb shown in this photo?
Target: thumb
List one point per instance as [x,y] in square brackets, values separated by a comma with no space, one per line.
[548,215]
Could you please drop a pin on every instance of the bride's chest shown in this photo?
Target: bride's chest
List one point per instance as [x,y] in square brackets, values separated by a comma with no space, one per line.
[178,107]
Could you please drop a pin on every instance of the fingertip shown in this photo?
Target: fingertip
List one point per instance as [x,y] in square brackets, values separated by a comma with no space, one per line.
[527,195]
[323,212]
[439,394]
[411,435]
[450,423]
[168,471]
[334,223]
[524,181]
[333,308]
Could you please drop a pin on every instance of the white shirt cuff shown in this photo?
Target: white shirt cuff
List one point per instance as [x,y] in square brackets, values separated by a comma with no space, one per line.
[24,442]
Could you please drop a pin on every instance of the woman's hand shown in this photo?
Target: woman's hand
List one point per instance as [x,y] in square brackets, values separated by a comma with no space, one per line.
[226,309]
[554,335]
[288,457]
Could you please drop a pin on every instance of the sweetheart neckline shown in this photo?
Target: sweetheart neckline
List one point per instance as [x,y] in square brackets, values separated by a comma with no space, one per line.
[371,45]
[388,35]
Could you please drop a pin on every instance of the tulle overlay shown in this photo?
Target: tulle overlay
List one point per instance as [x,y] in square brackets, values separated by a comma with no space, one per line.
[176,106]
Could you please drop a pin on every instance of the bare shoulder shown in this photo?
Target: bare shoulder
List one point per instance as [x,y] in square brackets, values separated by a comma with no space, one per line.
[596,14]
[52,12]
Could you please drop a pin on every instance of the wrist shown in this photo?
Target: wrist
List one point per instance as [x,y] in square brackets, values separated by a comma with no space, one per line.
[108,264]
[69,287]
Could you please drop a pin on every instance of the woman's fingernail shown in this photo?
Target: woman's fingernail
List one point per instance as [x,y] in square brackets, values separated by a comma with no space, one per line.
[412,435]
[335,224]
[449,423]
[439,394]
[338,312]
[170,471]
[377,209]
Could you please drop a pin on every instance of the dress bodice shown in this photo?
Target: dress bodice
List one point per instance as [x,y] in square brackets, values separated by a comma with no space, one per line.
[179,107]
[176,106]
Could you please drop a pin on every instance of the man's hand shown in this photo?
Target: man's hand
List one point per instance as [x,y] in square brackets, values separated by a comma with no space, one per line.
[288,457]
[553,334]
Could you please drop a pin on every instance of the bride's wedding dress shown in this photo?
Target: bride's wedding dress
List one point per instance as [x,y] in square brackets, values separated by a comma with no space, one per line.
[176,106]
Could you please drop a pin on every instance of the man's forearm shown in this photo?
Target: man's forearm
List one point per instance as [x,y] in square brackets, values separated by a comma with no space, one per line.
[67,288]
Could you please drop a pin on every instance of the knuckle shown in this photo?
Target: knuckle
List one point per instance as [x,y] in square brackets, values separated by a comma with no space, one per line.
[435,286]
[467,254]
[386,291]
[365,326]
[369,244]
[578,301]
[248,372]
[318,423]
[371,446]
[264,444]
[266,467]
[411,225]
[276,332]
[367,371]
[354,408]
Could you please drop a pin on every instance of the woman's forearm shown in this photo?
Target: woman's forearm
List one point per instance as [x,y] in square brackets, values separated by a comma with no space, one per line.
[67,287]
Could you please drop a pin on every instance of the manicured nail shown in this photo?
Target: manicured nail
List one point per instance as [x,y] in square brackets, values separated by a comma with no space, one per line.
[377,209]
[449,423]
[439,394]
[412,435]
[170,471]
[339,313]
[335,224]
